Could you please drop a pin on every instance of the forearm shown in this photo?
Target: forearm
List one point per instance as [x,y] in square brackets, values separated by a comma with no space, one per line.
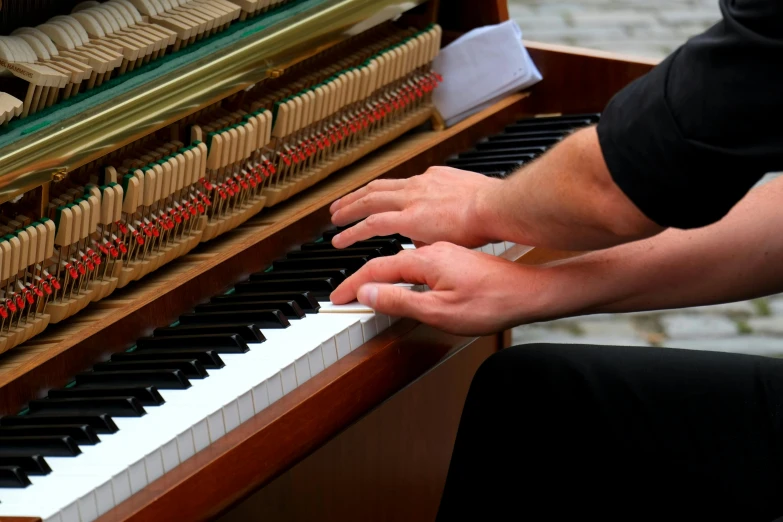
[737,258]
[565,200]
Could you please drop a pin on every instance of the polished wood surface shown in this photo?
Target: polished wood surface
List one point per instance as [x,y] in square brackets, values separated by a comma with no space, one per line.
[389,466]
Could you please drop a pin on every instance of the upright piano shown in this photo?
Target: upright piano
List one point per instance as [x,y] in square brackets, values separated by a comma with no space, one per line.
[166,170]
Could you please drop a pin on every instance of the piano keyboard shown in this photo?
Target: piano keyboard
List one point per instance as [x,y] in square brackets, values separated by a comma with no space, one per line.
[85,448]
[520,143]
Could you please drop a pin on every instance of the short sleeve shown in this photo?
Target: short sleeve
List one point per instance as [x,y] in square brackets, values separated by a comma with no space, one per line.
[688,140]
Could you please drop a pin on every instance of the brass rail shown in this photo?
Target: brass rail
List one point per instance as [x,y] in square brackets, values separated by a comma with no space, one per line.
[33,160]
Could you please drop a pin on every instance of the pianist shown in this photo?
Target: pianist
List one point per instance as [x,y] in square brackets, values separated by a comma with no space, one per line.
[660,193]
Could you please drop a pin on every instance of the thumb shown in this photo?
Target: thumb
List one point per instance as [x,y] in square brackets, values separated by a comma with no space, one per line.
[397,301]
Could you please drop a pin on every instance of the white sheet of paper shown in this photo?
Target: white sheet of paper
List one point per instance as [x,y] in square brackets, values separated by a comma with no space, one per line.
[482,66]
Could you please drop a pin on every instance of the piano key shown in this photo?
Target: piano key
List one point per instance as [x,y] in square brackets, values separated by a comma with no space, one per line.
[351,263]
[500,164]
[316,286]
[511,142]
[146,395]
[30,464]
[102,424]
[114,406]
[261,318]
[289,308]
[591,116]
[63,446]
[191,368]
[82,434]
[389,246]
[306,301]
[13,477]
[566,124]
[161,379]
[221,343]
[500,152]
[208,357]
[370,252]
[338,274]
[247,332]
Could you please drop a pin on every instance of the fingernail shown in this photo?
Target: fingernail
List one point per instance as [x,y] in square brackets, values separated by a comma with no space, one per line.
[336,238]
[332,207]
[368,295]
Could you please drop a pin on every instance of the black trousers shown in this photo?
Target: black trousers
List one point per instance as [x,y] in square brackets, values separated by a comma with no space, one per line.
[571,433]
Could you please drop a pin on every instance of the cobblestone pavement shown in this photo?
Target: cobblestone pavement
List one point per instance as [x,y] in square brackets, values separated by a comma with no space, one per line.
[642,27]
[652,29]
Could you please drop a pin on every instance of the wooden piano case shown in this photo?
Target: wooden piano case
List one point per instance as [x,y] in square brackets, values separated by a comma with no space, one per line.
[370,438]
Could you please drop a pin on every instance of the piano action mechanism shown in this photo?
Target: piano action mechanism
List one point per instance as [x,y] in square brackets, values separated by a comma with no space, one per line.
[153,154]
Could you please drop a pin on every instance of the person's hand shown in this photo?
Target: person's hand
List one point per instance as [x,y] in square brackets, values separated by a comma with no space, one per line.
[443,204]
[471,293]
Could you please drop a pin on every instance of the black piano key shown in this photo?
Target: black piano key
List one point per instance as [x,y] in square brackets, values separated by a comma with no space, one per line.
[318,287]
[539,125]
[247,332]
[369,252]
[146,395]
[512,157]
[221,343]
[350,263]
[191,368]
[289,308]
[261,318]
[475,163]
[306,301]
[501,153]
[102,424]
[13,477]
[592,116]
[486,166]
[114,406]
[33,465]
[81,433]
[526,135]
[54,446]
[208,357]
[338,274]
[161,379]
[503,141]
[389,246]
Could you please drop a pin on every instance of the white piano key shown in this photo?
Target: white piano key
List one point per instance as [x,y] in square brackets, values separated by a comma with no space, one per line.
[381,322]
[120,486]
[327,307]
[288,374]
[88,507]
[316,360]
[302,367]
[231,416]
[355,335]
[275,387]
[170,455]
[245,406]
[343,342]
[153,463]
[104,498]
[216,426]
[185,447]
[329,350]
[138,476]
[260,394]
[369,328]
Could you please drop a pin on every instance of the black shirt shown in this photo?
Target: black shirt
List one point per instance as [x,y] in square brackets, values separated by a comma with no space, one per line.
[687,141]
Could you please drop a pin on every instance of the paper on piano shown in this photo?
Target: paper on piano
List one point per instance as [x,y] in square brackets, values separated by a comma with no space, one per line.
[480,68]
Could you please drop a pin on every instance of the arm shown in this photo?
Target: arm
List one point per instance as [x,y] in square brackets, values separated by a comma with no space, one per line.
[473,293]
[684,143]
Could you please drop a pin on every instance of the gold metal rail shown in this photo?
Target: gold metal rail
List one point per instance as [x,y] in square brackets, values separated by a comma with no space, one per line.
[38,158]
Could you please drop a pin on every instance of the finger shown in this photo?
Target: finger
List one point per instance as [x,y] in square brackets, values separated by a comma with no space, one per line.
[407,267]
[397,301]
[372,203]
[383,224]
[379,185]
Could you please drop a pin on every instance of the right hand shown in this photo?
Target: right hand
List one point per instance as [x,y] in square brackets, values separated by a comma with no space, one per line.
[443,204]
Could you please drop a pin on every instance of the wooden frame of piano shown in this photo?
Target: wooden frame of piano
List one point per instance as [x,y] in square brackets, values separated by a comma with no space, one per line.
[267,446]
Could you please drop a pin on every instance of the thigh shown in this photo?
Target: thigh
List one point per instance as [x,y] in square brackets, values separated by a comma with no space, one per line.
[621,433]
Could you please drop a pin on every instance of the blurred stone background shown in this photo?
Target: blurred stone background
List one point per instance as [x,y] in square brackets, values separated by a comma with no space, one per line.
[651,29]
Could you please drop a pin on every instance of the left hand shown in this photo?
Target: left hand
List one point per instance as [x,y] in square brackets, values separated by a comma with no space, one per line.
[471,293]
